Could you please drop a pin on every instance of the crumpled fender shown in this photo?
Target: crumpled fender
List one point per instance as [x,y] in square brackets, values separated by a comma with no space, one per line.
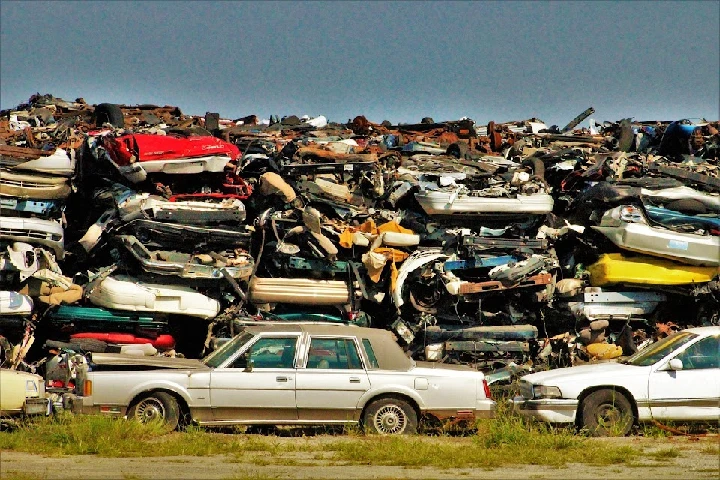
[414,261]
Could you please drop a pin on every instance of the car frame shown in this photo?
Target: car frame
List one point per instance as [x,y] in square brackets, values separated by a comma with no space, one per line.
[653,384]
[378,386]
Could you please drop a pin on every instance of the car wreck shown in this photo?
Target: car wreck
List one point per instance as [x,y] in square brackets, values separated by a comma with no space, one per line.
[492,246]
[288,374]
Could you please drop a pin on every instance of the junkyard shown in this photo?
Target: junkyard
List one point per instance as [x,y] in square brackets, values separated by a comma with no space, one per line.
[509,247]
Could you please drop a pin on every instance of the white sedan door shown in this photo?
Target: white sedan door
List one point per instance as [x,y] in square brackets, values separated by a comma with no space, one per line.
[265,392]
[333,380]
[692,393]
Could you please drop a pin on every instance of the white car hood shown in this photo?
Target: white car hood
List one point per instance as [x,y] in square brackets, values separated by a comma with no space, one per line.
[583,375]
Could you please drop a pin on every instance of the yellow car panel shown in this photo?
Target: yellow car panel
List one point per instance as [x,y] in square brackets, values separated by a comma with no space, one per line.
[644,270]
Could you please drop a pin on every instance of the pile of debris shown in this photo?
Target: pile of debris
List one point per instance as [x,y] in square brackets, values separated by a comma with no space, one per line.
[504,246]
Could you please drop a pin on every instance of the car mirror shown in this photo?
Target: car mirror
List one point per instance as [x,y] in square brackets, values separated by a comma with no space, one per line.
[675,364]
[249,366]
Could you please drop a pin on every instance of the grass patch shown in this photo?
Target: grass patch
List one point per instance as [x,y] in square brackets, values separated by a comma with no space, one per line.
[66,434]
[507,440]
[711,449]
[664,454]
[14,475]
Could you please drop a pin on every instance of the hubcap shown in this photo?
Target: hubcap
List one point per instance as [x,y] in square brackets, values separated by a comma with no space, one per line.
[149,410]
[390,419]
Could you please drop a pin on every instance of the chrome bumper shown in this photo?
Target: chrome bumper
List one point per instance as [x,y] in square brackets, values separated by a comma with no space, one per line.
[553,410]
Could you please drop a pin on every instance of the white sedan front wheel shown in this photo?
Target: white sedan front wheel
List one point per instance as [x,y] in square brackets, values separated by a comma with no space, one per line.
[607,412]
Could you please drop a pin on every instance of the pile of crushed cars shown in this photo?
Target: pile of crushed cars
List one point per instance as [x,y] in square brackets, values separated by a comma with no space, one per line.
[508,246]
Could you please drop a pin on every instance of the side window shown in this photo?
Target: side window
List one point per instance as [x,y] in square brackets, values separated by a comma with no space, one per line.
[370,353]
[703,354]
[333,353]
[270,352]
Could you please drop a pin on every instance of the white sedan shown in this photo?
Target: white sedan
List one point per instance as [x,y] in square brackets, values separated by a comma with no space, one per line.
[676,378]
[288,374]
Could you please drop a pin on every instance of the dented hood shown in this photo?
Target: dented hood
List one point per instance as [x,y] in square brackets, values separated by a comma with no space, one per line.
[146,147]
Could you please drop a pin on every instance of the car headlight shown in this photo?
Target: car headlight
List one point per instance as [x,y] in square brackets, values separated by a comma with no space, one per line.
[545,391]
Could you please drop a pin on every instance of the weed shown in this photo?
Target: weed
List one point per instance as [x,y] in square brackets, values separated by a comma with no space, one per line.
[14,475]
[664,454]
[507,440]
[711,450]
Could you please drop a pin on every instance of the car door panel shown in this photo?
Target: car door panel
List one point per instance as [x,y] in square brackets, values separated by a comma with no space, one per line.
[330,385]
[265,392]
[692,393]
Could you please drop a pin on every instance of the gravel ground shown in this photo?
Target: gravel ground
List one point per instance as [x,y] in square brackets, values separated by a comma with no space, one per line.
[691,463]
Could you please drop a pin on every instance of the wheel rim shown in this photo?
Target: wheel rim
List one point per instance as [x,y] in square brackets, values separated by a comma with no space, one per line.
[150,409]
[390,419]
[609,415]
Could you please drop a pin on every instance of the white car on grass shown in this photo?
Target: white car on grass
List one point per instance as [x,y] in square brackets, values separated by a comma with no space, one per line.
[289,374]
[676,378]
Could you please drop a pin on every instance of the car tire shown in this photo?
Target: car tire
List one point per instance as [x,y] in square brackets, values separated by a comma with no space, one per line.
[156,406]
[607,413]
[109,113]
[390,416]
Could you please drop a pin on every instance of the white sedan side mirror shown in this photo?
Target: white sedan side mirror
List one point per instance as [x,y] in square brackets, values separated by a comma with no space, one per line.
[675,364]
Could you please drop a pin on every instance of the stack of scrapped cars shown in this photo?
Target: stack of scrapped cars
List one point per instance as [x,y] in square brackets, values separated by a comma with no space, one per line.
[510,247]
[37,173]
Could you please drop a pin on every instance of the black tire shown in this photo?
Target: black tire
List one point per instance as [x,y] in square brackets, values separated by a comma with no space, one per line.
[607,413]
[156,406]
[390,416]
[109,113]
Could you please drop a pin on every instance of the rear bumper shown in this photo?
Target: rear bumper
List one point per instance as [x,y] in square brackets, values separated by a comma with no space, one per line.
[549,410]
[36,406]
[483,409]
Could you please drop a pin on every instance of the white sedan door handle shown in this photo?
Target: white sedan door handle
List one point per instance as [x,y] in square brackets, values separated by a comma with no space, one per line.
[354,380]
[281,379]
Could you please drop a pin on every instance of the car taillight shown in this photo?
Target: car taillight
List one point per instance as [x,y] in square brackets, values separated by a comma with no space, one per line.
[486,388]
[87,388]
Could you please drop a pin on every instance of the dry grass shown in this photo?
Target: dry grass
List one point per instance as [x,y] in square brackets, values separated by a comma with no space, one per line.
[507,440]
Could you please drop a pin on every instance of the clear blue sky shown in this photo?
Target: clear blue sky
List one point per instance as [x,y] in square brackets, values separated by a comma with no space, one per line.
[399,61]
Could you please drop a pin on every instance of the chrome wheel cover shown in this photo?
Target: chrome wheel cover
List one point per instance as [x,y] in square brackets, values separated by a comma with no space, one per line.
[150,409]
[390,419]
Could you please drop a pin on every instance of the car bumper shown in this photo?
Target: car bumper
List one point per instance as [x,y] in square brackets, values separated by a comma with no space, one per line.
[483,409]
[553,410]
[36,406]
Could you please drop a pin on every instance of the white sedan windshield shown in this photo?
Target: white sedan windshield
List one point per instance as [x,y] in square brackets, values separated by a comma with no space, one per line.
[659,350]
[219,356]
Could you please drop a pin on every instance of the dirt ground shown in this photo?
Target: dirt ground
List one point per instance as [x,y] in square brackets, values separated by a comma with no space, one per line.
[691,463]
